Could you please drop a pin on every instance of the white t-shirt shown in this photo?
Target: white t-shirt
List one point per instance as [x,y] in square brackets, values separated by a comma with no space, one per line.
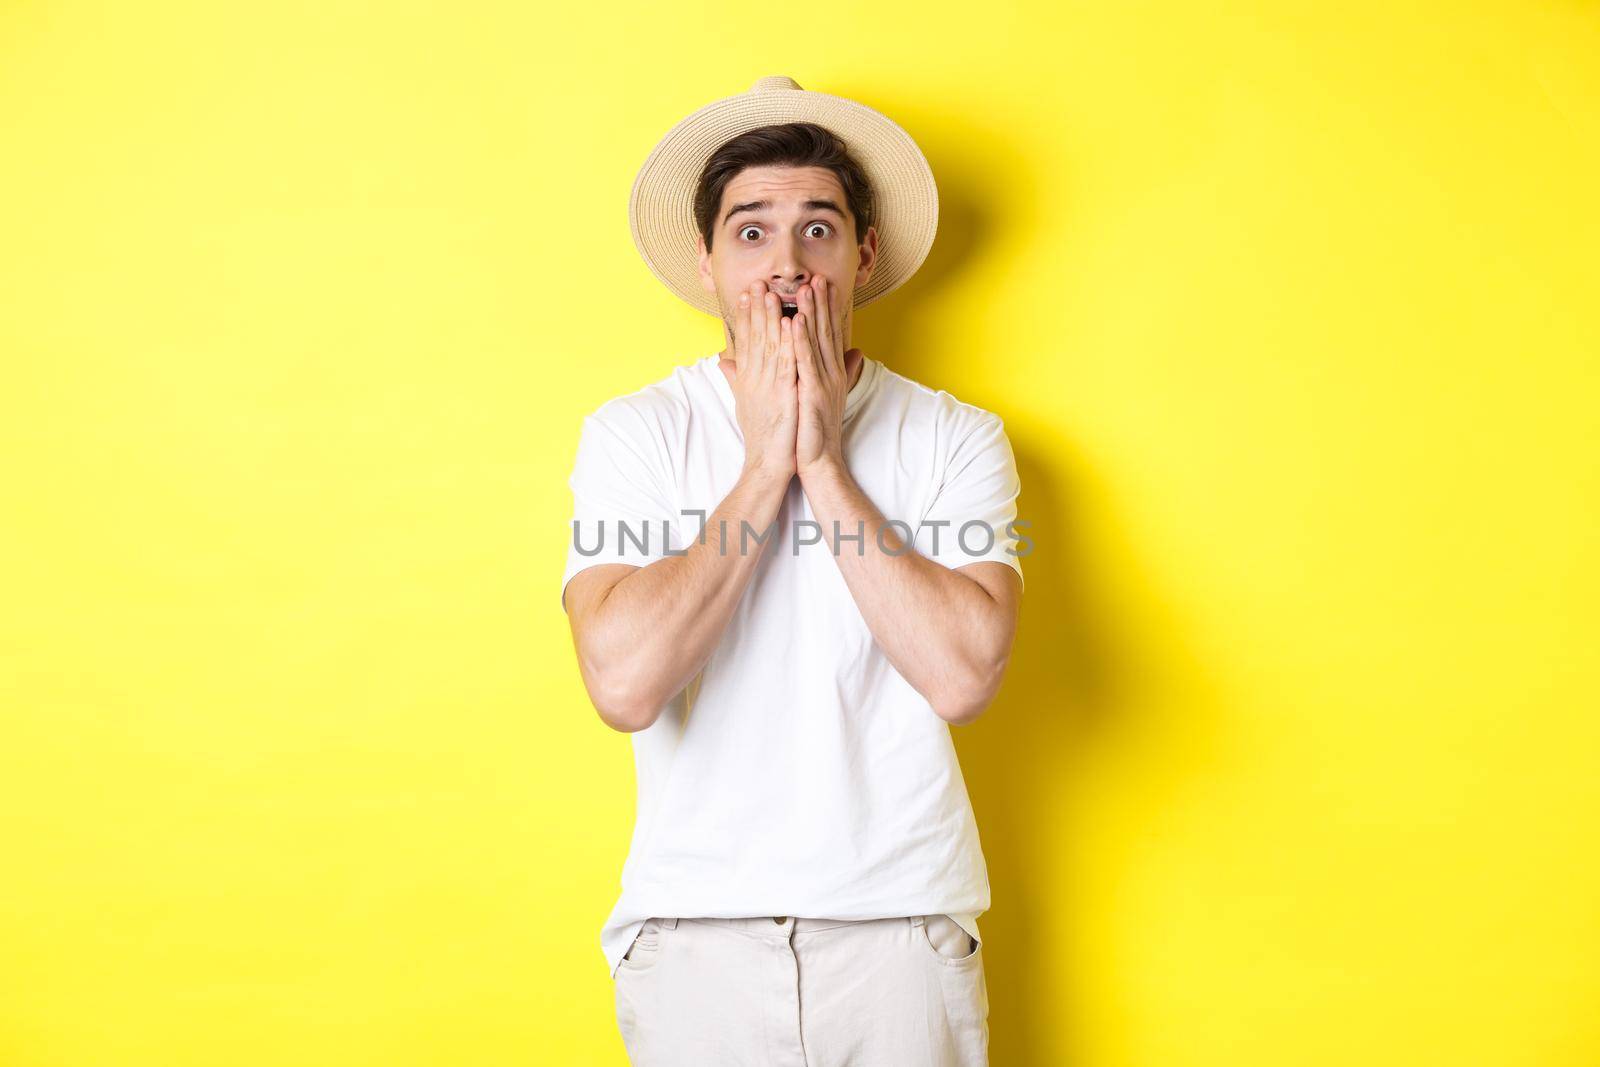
[798,773]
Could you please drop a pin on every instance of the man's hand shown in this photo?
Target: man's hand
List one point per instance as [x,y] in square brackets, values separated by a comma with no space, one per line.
[824,369]
[765,386]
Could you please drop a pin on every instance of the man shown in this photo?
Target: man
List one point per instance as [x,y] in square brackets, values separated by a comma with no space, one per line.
[840,586]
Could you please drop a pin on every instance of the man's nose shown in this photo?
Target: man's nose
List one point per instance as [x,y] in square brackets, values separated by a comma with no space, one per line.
[788,266]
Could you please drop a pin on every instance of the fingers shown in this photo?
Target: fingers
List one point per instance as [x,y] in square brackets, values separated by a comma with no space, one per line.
[807,318]
[753,353]
[805,352]
[828,339]
[785,363]
[766,343]
[741,329]
[805,338]
[774,316]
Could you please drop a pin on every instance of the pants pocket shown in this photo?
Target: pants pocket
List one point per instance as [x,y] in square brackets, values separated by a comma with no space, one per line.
[944,939]
[646,947]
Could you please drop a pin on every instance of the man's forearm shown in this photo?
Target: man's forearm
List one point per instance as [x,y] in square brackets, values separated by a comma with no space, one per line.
[658,625]
[941,630]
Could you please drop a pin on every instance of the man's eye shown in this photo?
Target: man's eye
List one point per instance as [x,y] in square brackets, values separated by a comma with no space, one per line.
[824,225]
[747,229]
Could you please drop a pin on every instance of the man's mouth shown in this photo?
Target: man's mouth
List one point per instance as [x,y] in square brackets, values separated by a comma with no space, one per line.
[790,310]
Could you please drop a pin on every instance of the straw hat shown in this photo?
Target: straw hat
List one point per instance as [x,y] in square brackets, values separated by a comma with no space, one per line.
[661,206]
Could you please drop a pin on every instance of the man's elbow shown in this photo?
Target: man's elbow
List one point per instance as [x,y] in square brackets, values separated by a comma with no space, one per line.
[964,702]
[621,711]
[622,718]
[960,714]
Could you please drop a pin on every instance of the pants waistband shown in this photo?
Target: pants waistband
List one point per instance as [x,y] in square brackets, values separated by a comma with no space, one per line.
[783,925]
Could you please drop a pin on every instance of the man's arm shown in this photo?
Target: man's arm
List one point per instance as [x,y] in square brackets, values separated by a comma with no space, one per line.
[642,633]
[948,631]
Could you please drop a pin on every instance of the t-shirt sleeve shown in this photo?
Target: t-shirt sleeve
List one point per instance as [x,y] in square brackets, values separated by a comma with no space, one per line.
[971,516]
[619,504]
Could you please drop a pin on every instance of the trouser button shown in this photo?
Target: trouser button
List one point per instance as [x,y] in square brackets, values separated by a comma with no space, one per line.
[779,918]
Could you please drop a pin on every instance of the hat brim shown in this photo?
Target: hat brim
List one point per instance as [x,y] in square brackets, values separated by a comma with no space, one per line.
[661,204]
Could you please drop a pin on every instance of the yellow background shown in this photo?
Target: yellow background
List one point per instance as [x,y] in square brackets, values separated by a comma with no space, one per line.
[1290,312]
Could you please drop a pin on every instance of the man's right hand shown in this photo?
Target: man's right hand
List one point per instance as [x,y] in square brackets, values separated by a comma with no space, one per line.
[766,384]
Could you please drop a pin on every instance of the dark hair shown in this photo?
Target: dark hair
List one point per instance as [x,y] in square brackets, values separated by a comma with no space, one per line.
[790,144]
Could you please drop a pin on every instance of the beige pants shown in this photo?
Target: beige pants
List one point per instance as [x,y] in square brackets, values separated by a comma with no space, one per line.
[796,992]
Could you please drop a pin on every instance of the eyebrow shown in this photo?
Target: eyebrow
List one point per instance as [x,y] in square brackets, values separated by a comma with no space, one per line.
[764,205]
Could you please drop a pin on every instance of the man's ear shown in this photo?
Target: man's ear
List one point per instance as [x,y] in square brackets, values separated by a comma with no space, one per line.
[868,251]
[707,281]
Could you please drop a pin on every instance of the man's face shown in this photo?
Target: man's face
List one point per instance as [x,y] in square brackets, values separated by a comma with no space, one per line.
[804,228]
